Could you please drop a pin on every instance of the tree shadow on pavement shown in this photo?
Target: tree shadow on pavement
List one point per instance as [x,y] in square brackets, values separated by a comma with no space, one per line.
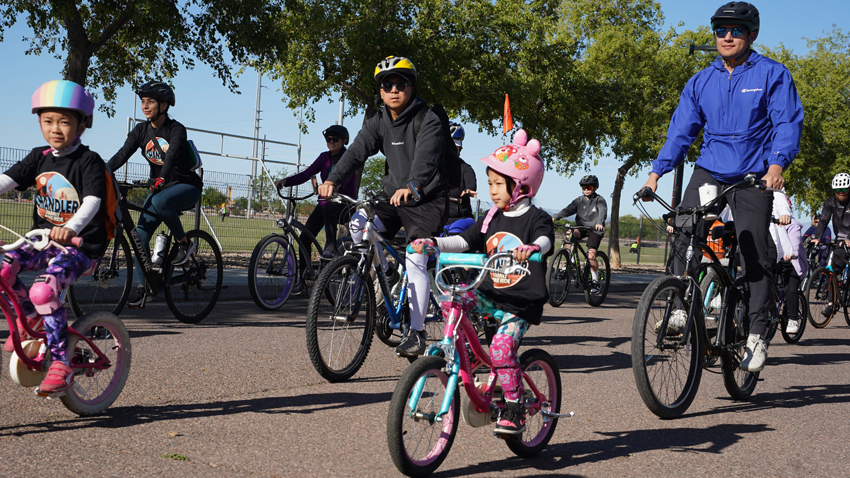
[127,417]
[613,445]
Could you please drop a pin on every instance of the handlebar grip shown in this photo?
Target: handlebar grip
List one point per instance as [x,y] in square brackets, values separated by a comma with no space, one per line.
[77,241]
[536,257]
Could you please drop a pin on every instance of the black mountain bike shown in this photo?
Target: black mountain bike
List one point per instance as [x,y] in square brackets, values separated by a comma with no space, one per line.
[564,267]
[191,289]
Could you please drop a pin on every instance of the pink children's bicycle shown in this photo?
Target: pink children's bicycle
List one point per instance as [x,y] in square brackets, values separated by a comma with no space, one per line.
[426,405]
[98,345]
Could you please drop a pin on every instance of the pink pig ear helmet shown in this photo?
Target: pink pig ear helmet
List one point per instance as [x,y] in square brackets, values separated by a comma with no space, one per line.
[521,162]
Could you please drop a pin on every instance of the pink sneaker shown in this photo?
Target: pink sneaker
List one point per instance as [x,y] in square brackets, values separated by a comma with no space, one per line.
[512,421]
[60,377]
[36,324]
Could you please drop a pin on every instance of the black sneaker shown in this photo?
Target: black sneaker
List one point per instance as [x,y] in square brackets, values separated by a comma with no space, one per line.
[393,276]
[413,344]
[512,421]
[137,297]
[595,287]
[298,288]
[184,250]
[828,311]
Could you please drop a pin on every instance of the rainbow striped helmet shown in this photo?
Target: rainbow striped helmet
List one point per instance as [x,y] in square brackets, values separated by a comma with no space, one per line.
[64,94]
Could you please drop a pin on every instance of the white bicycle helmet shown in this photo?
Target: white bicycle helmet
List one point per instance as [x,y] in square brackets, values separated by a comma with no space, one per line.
[841,180]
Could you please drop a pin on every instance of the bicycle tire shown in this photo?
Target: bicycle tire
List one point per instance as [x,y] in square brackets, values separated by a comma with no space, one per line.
[664,400]
[595,300]
[541,368]
[740,384]
[192,289]
[822,289]
[335,319]
[558,277]
[405,434]
[846,305]
[94,393]
[801,316]
[107,288]
[272,272]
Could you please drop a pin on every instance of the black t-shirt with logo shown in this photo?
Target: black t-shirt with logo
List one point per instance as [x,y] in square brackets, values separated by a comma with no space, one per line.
[175,167]
[61,184]
[520,294]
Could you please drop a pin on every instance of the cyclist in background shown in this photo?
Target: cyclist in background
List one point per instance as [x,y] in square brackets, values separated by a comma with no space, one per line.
[460,204]
[790,254]
[835,208]
[590,210]
[823,251]
[69,200]
[174,186]
[326,214]
[414,160]
[750,113]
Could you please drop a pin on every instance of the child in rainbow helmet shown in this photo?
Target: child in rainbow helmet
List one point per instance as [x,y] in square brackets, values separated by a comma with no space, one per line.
[70,186]
[514,174]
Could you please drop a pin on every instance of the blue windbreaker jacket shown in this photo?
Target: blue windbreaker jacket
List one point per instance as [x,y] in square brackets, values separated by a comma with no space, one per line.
[752,119]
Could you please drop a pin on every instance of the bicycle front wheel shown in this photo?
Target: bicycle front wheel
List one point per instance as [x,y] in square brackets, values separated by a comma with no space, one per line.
[94,390]
[542,371]
[667,370]
[107,288]
[822,296]
[596,300]
[340,320]
[418,443]
[558,277]
[192,289]
[272,272]
[739,383]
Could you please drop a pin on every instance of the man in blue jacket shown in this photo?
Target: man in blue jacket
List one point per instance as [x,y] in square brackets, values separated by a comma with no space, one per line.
[752,119]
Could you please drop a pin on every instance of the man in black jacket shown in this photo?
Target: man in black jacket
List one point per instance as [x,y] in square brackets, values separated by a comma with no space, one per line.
[410,136]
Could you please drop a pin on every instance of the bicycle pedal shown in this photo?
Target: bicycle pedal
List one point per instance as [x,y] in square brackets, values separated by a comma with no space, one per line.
[49,395]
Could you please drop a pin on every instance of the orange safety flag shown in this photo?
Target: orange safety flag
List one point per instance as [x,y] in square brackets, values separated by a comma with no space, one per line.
[509,121]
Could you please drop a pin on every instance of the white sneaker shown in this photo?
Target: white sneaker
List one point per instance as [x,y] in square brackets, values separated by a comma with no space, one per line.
[755,354]
[716,302]
[793,327]
[676,324]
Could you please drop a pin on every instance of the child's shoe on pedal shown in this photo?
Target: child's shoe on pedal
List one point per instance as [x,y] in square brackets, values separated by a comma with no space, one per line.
[413,344]
[793,326]
[755,355]
[36,324]
[512,421]
[60,377]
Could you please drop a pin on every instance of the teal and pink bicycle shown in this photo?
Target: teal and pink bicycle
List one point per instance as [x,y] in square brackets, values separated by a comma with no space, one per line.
[427,405]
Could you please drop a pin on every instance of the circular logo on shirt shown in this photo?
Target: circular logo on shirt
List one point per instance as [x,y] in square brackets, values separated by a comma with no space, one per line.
[503,242]
[56,199]
[152,154]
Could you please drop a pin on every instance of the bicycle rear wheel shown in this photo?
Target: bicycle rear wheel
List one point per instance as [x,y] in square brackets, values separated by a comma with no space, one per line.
[822,297]
[340,320]
[542,370]
[107,288]
[596,300]
[666,373]
[418,443]
[558,277]
[95,390]
[739,383]
[192,289]
[272,272]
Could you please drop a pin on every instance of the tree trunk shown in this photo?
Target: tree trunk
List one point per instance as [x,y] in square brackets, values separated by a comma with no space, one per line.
[614,236]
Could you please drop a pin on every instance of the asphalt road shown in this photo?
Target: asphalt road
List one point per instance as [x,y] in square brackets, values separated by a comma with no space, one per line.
[237,396]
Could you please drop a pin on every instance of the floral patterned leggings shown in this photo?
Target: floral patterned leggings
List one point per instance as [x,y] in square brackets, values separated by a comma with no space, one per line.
[66,267]
[503,349]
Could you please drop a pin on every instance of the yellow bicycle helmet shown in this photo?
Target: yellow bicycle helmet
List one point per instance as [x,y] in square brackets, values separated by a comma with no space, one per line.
[395,65]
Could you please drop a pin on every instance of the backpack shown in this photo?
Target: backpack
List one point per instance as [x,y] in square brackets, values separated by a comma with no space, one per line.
[450,164]
[112,211]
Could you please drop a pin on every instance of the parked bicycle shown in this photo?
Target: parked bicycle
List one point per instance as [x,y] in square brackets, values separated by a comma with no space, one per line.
[567,265]
[280,264]
[98,345]
[191,289]
[426,405]
[671,343]
[828,291]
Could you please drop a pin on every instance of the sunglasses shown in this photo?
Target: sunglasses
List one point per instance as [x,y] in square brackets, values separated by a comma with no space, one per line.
[737,32]
[332,139]
[588,186]
[841,190]
[401,85]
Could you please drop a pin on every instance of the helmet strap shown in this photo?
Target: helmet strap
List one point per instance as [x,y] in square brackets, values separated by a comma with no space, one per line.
[738,60]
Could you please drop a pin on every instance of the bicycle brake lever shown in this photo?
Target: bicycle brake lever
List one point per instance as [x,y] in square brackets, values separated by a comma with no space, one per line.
[515,269]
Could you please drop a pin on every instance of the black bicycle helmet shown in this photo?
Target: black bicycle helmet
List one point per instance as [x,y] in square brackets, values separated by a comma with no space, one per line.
[395,65]
[337,130]
[737,13]
[157,90]
[590,180]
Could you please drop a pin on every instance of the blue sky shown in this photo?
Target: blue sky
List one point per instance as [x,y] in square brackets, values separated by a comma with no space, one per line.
[203,103]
